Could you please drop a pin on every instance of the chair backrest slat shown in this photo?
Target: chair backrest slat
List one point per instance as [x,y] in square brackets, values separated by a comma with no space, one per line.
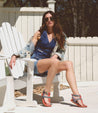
[20,44]
[3,41]
[2,69]
[8,38]
[19,41]
[23,44]
[12,42]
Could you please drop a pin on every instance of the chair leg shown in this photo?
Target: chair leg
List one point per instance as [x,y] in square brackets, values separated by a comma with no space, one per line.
[56,93]
[29,87]
[29,100]
[56,90]
[30,84]
[9,101]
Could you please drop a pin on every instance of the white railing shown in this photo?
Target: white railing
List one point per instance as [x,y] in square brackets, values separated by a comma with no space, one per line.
[83,52]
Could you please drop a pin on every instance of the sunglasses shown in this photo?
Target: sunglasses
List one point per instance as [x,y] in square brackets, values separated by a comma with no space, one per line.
[47,19]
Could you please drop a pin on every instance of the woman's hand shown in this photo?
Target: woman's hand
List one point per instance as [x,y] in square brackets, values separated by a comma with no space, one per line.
[55,56]
[36,37]
[12,61]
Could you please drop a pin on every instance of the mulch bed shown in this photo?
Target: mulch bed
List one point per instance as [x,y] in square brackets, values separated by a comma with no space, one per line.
[39,89]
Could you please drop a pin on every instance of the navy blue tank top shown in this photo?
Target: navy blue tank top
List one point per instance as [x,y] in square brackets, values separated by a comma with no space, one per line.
[43,47]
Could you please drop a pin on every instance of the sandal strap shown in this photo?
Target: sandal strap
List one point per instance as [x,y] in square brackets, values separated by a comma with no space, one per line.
[76,95]
[44,96]
[44,92]
[75,99]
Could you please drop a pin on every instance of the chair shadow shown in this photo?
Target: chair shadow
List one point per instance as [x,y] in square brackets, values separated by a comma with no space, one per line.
[71,105]
[38,98]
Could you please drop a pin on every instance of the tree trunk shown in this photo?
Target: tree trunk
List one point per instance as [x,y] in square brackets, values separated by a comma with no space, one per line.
[74,11]
[75,23]
[83,24]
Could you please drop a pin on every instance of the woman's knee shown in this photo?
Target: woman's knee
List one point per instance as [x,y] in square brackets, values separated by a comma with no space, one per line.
[68,64]
[54,62]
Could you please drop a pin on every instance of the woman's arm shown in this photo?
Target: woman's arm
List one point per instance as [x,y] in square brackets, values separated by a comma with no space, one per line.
[36,37]
[34,41]
[54,56]
[28,49]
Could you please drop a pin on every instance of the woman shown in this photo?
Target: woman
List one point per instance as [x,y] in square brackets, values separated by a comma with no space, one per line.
[48,47]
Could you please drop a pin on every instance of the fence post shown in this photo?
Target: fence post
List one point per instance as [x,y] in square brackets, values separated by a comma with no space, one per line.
[51,4]
[2,2]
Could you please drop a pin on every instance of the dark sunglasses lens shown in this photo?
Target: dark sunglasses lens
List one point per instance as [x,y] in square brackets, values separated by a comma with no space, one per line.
[46,19]
[51,18]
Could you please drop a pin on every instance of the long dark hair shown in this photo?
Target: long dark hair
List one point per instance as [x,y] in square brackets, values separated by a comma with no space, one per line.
[57,29]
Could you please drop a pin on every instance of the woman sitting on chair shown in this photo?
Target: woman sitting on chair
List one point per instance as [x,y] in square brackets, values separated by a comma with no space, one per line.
[48,47]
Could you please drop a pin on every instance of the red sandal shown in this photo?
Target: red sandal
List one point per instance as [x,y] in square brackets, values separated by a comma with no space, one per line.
[43,98]
[75,100]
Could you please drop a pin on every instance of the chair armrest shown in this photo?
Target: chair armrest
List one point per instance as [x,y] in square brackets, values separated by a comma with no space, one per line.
[28,60]
[3,82]
[3,57]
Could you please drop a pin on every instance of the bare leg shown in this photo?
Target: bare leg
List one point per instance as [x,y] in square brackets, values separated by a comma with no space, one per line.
[70,76]
[51,65]
[55,66]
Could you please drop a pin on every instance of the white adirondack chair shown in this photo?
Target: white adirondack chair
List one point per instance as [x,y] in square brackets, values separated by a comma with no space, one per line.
[2,83]
[12,41]
[7,101]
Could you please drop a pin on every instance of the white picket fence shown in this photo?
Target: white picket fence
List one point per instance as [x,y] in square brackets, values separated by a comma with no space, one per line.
[82,51]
